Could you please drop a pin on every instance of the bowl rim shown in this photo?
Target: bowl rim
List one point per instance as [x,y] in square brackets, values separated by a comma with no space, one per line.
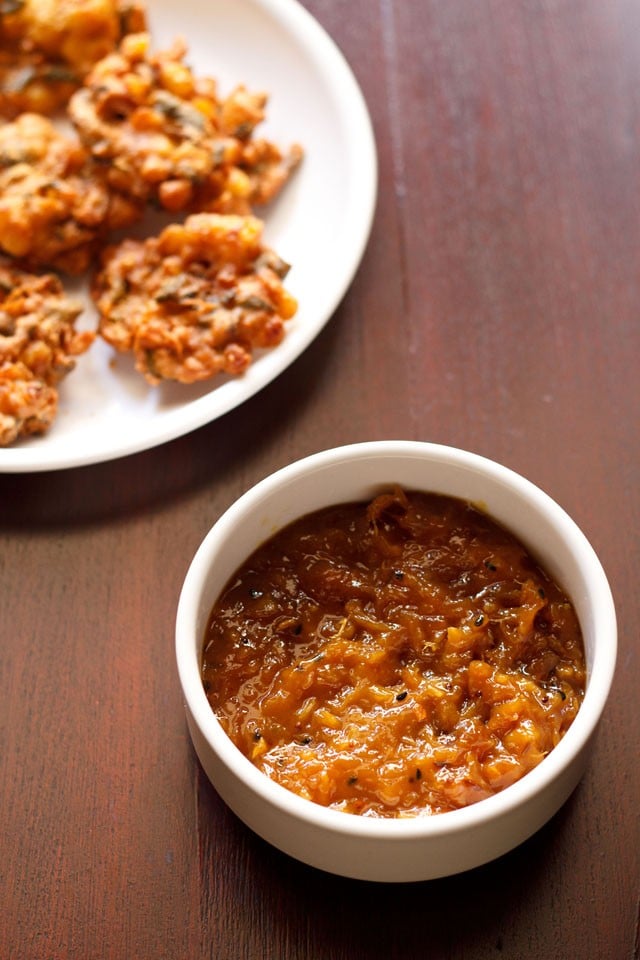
[600,672]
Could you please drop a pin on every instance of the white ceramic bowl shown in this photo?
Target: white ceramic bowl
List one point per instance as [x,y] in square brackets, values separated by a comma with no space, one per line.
[389,849]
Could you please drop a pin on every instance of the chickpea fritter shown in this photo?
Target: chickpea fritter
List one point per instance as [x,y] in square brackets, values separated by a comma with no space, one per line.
[54,210]
[38,346]
[164,136]
[48,46]
[194,301]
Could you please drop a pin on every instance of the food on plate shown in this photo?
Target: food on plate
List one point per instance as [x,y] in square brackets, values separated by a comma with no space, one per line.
[165,136]
[47,47]
[38,347]
[400,657]
[195,301]
[54,210]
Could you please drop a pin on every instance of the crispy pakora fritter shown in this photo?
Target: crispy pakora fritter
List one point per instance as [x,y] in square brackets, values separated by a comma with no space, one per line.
[195,301]
[164,135]
[54,209]
[27,405]
[48,46]
[267,168]
[29,84]
[38,347]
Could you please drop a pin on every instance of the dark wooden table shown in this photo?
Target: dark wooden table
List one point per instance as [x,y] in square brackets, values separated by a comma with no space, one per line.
[496,309]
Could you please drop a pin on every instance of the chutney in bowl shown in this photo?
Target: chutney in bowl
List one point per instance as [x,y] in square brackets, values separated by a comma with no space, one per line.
[404,656]
[497,705]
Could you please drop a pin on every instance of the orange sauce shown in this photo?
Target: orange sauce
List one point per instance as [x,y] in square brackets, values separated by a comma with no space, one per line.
[399,658]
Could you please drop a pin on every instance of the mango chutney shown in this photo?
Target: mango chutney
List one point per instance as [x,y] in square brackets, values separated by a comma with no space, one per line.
[396,658]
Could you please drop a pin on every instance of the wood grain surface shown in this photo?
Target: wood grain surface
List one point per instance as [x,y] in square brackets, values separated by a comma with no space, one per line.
[496,309]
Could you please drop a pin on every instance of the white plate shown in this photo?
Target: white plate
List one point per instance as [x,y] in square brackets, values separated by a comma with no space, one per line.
[320,225]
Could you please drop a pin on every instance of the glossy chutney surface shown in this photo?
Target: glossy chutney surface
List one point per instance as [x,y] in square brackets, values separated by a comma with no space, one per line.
[401,657]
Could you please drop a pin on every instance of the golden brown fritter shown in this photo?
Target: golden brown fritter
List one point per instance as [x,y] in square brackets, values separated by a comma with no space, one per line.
[27,405]
[48,46]
[165,136]
[38,346]
[194,301]
[53,209]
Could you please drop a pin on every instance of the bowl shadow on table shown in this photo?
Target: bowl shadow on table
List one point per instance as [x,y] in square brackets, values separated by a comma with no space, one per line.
[339,918]
[146,481]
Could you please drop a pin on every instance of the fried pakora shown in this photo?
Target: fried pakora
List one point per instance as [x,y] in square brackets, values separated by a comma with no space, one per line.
[164,135]
[54,209]
[38,347]
[195,301]
[48,46]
